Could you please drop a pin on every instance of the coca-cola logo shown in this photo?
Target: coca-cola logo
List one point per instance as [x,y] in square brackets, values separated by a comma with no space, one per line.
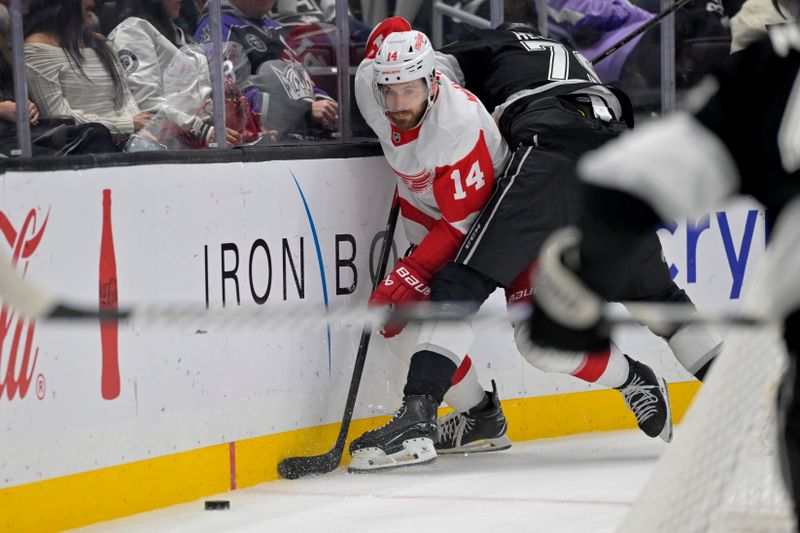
[108,292]
[108,298]
[18,356]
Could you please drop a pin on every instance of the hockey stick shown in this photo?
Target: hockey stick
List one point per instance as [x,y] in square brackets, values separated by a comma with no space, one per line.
[640,30]
[613,314]
[296,467]
[24,297]
[34,303]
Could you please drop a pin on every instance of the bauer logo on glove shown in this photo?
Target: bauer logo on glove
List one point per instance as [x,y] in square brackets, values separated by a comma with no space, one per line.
[412,281]
[406,284]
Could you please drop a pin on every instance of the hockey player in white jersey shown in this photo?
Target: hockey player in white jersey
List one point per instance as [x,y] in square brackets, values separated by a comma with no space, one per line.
[446,151]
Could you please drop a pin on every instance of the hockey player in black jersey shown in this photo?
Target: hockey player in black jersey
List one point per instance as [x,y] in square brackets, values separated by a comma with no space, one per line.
[551,108]
[742,138]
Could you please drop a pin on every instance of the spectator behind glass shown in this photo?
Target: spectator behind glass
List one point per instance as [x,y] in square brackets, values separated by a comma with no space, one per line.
[8,107]
[74,73]
[592,26]
[189,16]
[49,136]
[163,77]
[701,40]
[5,21]
[295,12]
[160,13]
[276,85]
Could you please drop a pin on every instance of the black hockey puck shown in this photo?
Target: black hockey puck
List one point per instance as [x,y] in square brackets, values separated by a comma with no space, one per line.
[217,505]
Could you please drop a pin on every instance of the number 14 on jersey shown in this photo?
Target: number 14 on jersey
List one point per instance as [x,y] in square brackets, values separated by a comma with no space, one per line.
[474,179]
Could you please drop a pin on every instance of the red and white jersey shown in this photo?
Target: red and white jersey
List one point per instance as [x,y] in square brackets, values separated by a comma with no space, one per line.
[446,166]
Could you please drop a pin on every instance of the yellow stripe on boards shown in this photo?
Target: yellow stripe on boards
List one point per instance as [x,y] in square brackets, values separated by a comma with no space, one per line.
[90,497]
[81,499]
[582,412]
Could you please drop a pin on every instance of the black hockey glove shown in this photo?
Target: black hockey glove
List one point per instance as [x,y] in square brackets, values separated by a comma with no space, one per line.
[567,315]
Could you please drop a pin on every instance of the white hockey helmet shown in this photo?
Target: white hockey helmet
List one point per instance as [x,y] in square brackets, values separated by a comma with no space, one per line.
[403,57]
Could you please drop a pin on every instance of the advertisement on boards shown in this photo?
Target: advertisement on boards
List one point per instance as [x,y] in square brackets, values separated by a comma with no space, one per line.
[283,235]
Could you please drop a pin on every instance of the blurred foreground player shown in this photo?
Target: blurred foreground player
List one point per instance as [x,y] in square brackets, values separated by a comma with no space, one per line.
[743,138]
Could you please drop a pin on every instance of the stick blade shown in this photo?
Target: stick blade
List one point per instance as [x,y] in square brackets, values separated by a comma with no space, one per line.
[297,467]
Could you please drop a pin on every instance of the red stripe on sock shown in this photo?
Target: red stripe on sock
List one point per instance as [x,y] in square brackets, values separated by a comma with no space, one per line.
[593,366]
[462,370]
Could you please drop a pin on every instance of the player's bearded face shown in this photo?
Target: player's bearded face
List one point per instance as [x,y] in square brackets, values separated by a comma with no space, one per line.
[405,103]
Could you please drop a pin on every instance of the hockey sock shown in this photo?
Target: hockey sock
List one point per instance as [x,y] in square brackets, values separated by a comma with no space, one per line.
[695,346]
[465,390]
[609,368]
[700,374]
[483,403]
[429,374]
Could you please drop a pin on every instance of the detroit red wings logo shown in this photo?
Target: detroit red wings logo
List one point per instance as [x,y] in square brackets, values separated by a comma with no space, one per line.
[417,183]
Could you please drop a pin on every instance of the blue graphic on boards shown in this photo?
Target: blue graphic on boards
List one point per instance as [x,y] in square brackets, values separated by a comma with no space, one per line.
[319,260]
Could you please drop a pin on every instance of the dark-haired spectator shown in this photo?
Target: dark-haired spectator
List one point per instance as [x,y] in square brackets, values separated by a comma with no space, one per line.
[189,16]
[161,14]
[75,73]
[50,136]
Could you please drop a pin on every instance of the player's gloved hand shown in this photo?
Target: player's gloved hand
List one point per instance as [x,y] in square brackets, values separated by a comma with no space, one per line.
[381,31]
[407,283]
[567,315]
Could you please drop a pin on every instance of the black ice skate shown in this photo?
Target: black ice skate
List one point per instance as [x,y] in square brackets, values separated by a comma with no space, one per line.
[476,430]
[648,398]
[407,439]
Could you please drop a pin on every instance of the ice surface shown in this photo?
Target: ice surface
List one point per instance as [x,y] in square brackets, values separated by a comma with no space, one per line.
[576,484]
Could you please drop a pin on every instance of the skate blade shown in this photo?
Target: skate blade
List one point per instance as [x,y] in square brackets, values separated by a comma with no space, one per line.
[666,433]
[479,446]
[415,452]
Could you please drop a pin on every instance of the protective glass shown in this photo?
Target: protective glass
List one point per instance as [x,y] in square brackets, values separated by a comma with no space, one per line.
[402,96]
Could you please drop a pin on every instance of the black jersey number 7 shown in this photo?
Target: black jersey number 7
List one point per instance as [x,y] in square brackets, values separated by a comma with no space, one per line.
[560,60]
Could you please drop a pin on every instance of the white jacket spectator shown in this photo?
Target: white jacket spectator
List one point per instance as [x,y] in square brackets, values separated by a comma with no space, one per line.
[162,77]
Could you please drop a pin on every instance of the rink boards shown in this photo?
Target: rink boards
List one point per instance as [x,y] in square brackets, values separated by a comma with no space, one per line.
[93,427]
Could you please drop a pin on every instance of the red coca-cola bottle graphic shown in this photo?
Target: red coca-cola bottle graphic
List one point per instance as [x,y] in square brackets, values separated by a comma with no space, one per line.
[108,302]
